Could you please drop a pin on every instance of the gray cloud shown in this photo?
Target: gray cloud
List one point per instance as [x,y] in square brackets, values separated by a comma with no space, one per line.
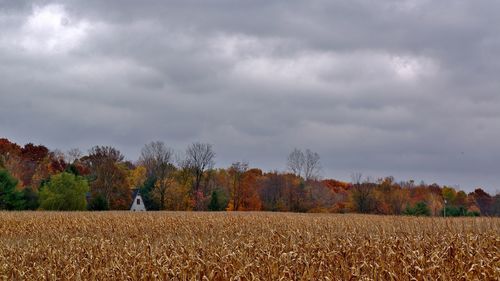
[403,88]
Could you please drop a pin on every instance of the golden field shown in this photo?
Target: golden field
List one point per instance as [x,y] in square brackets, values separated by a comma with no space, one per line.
[245,246]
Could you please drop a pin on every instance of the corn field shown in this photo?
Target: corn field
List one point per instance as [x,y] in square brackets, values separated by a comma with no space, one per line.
[245,246]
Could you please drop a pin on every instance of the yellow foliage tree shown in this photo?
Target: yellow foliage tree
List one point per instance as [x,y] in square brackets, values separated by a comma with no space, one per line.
[136,177]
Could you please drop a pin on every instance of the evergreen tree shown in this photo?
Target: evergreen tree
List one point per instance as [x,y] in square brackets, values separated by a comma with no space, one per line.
[420,209]
[30,197]
[99,203]
[146,194]
[10,197]
[214,204]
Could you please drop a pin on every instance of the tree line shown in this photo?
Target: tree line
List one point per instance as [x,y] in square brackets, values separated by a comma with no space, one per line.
[32,177]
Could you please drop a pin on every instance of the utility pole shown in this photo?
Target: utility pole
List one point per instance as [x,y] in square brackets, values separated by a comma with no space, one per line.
[444,210]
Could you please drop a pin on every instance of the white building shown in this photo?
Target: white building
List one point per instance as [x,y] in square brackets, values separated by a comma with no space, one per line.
[137,203]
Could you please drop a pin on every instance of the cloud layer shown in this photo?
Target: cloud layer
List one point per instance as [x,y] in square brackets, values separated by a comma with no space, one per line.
[403,88]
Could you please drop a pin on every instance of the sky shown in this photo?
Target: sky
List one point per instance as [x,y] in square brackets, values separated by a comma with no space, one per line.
[399,88]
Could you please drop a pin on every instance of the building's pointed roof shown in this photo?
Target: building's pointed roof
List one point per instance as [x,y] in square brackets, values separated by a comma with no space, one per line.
[135,192]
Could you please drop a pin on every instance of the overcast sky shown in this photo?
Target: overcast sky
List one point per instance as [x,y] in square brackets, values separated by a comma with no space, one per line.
[403,88]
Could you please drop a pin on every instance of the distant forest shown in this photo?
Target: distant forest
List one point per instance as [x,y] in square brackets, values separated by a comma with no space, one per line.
[32,177]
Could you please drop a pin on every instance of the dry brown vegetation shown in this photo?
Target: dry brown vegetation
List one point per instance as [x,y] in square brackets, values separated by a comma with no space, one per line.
[245,246]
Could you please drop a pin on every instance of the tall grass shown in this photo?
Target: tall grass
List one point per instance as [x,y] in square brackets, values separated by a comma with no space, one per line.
[245,246]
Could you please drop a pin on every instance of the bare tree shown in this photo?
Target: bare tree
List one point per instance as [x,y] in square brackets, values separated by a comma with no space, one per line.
[356,178]
[296,161]
[58,155]
[312,166]
[199,158]
[157,158]
[73,155]
[305,165]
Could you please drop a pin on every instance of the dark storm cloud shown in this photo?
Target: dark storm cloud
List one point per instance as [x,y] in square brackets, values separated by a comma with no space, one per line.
[403,88]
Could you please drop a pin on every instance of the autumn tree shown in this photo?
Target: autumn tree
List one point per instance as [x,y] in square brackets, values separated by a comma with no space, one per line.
[460,199]
[10,159]
[293,193]
[245,196]
[157,158]
[108,175]
[496,205]
[362,195]
[272,191]
[8,150]
[250,197]
[449,194]
[52,164]
[22,162]
[177,197]
[237,171]
[483,200]
[390,197]
[199,159]
[32,156]
[136,177]
[435,204]
[75,164]
[340,191]
[322,199]
[281,192]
